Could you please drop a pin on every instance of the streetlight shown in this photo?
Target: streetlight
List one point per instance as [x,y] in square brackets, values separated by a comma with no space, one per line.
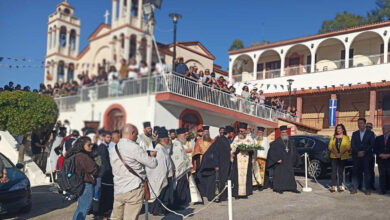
[175,17]
[290,82]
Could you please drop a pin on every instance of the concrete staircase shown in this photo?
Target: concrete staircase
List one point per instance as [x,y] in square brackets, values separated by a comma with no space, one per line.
[9,147]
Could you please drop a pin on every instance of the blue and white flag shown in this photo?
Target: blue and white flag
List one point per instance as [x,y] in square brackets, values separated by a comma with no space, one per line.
[332,112]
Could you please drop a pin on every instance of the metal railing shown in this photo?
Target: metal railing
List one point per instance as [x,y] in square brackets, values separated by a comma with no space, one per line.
[170,83]
[215,96]
[296,70]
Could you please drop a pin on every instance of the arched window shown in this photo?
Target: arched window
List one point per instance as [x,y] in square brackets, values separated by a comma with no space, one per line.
[114,117]
[70,72]
[62,39]
[72,39]
[133,46]
[134,7]
[67,11]
[122,41]
[114,41]
[61,71]
[142,49]
[190,119]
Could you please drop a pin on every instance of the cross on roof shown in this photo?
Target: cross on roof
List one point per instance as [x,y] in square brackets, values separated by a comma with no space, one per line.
[106,17]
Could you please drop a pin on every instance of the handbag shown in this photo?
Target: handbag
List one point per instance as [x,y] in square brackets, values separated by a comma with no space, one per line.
[145,181]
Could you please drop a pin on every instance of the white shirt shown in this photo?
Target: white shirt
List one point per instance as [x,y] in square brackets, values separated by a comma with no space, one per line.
[111,76]
[132,74]
[134,156]
[144,71]
[362,134]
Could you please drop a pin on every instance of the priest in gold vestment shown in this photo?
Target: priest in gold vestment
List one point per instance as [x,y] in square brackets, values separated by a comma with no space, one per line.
[259,158]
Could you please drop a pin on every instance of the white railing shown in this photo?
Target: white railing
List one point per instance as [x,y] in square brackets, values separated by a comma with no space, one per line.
[328,65]
[366,60]
[296,70]
[212,95]
[170,83]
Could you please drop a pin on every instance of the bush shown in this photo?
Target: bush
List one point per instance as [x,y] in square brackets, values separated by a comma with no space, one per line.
[24,112]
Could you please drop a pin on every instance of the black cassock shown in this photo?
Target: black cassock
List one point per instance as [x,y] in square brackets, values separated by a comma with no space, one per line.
[283,174]
[218,155]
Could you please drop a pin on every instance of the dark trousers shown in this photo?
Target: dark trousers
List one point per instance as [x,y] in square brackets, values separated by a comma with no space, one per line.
[361,165]
[337,171]
[372,171]
[384,173]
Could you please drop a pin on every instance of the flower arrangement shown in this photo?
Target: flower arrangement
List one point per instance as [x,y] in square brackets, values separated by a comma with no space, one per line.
[249,147]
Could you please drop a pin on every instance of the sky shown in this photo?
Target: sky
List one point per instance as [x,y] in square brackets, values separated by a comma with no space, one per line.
[215,23]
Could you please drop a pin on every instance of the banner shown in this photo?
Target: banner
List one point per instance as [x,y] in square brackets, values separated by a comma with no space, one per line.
[332,112]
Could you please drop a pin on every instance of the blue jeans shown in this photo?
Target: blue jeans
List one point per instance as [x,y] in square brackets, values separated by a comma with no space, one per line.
[84,202]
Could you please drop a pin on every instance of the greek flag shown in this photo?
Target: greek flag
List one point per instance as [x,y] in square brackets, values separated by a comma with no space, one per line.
[332,112]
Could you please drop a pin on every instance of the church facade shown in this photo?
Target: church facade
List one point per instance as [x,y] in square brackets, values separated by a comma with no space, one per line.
[165,100]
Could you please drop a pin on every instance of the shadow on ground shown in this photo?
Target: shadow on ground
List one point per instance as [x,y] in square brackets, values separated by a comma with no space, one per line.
[43,201]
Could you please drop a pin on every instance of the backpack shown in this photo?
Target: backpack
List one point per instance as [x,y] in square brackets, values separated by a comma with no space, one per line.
[68,180]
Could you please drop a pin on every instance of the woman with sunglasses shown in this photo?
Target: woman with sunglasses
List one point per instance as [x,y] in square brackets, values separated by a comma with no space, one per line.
[87,168]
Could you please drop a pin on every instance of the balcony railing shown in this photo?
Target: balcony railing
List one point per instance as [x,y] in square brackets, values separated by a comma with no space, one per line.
[175,84]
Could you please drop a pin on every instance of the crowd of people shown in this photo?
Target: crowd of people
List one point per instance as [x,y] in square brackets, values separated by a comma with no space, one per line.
[181,168]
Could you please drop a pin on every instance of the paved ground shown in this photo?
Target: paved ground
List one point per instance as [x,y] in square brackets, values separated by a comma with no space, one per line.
[319,204]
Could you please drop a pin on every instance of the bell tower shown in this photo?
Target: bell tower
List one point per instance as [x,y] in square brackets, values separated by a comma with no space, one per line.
[63,41]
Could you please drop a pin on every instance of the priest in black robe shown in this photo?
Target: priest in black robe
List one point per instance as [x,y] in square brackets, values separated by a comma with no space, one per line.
[214,169]
[282,158]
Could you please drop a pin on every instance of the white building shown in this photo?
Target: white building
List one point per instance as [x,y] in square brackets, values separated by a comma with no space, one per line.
[351,66]
[168,100]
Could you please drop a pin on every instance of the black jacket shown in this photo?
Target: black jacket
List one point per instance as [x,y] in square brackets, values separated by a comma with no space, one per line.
[367,145]
[380,147]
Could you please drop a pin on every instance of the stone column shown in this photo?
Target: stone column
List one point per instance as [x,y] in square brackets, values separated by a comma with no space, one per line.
[68,49]
[299,108]
[140,14]
[128,11]
[372,106]
[48,46]
[138,55]
[66,72]
[282,63]
[113,16]
[120,9]
[313,60]
[127,48]
[77,43]
[347,56]
[230,69]
[57,40]
[254,69]
[385,51]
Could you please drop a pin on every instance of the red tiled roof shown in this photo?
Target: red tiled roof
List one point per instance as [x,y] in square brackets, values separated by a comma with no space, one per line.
[311,37]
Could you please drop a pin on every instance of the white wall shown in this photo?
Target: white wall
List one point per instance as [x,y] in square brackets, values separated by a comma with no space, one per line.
[375,73]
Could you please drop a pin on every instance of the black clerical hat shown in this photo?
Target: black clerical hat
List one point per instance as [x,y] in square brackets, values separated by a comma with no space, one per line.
[260,128]
[229,129]
[62,128]
[200,130]
[186,130]
[162,133]
[101,131]
[180,131]
[172,131]
[206,128]
[283,128]
[243,125]
[156,128]
[146,124]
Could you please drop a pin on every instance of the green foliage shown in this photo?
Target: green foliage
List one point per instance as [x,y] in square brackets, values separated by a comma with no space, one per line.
[342,21]
[237,44]
[24,112]
[347,20]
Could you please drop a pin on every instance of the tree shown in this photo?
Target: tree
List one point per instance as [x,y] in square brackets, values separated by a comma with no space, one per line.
[342,21]
[237,44]
[381,13]
[21,113]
